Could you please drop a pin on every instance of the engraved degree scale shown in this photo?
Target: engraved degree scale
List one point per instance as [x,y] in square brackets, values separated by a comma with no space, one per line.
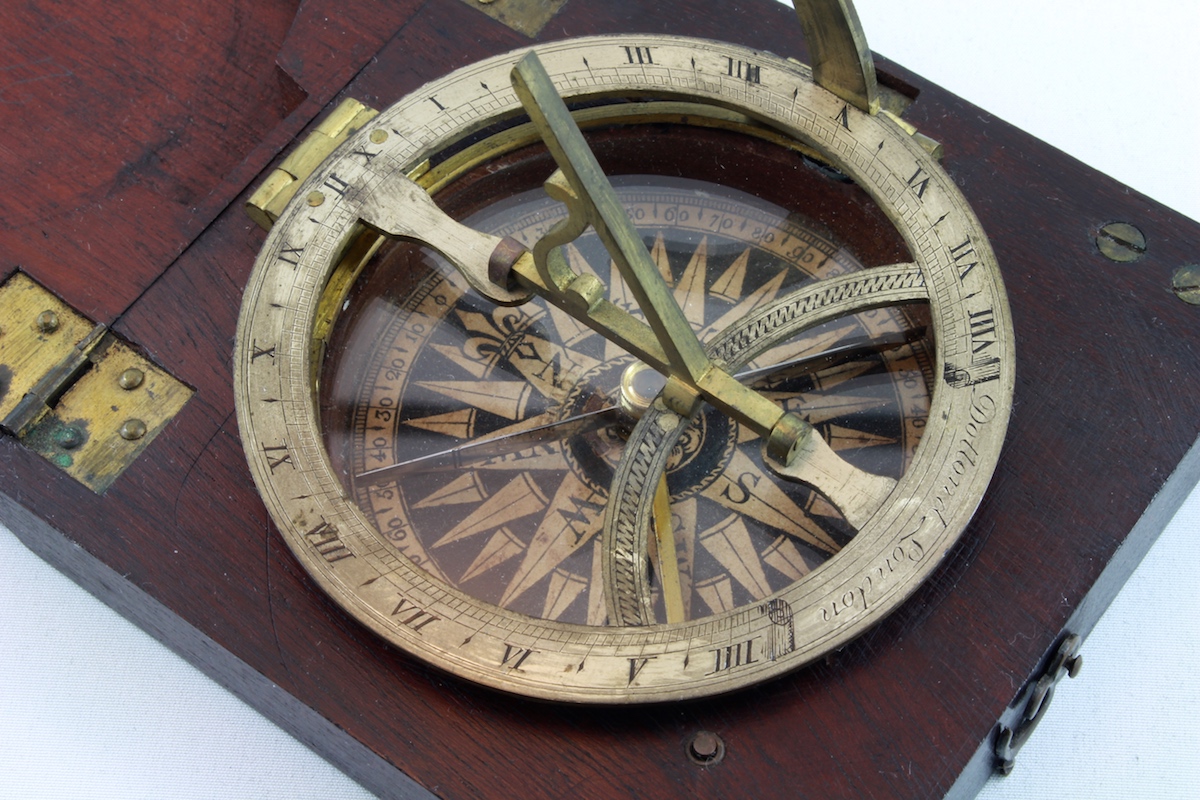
[279,455]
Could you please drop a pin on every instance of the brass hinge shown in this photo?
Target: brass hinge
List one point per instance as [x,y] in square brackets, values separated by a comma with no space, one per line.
[269,200]
[72,391]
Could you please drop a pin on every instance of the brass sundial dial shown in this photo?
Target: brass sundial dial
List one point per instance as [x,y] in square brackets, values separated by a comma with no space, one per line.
[730,434]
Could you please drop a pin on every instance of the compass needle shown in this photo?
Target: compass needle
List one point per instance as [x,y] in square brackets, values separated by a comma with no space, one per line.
[518,446]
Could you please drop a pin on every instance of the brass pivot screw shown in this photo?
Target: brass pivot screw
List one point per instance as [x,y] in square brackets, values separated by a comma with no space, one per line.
[1186,283]
[706,749]
[1121,242]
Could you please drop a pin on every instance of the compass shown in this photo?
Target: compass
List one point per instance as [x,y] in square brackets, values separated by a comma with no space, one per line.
[732,433]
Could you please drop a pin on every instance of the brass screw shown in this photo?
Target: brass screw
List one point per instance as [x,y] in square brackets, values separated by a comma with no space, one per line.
[133,429]
[131,379]
[315,199]
[1121,242]
[378,136]
[706,749]
[47,322]
[1186,283]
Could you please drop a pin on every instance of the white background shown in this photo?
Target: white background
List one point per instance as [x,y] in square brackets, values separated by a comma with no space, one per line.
[91,707]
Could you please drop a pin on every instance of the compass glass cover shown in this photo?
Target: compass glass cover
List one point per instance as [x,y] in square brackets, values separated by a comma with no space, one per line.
[482,440]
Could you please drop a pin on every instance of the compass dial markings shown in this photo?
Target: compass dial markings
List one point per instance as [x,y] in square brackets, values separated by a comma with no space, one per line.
[520,498]
[784,556]
[459,424]
[689,291]
[756,299]
[564,588]
[748,489]
[661,258]
[549,367]
[717,593]
[463,489]
[729,542]
[569,521]
[728,286]
[503,546]
[504,398]
[384,508]
[766,291]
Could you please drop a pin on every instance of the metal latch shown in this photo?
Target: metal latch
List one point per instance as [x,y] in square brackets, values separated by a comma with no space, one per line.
[72,391]
[1066,662]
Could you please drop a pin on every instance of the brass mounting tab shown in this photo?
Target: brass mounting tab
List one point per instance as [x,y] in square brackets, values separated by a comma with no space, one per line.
[273,195]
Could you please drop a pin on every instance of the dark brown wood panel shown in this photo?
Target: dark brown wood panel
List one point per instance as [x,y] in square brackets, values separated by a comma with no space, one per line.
[129,126]
[185,526]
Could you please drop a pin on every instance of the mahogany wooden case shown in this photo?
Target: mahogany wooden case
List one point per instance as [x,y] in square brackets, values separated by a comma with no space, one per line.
[139,225]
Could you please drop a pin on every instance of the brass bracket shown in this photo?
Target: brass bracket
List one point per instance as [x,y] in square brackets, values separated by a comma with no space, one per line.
[928,143]
[72,391]
[273,195]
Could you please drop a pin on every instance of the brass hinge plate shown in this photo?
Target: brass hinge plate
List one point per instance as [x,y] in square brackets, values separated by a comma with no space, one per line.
[38,332]
[71,391]
[523,16]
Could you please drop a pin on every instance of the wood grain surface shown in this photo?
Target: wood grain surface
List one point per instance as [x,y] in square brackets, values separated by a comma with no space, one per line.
[133,216]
